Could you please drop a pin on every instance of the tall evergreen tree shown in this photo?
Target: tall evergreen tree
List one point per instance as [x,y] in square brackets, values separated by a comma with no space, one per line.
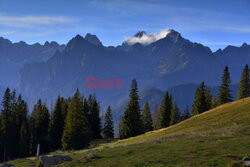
[175,114]
[86,108]
[8,128]
[94,117]
[209,97]
[244,89]
[225,92]
[165,111]
[201,101]
[108,130]
[155,117]
[21,119]
[214,102]
[57,124]
[131,121]
[147,118]
[64,107]
[76,134]
[39,123]
[13,115]
[24,140]
[186,114]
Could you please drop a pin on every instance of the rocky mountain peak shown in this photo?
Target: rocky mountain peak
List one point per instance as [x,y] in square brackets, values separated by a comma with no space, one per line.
[93,39]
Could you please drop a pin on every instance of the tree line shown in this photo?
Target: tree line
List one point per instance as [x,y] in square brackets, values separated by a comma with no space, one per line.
[134,122]
[72,124]
[75,121]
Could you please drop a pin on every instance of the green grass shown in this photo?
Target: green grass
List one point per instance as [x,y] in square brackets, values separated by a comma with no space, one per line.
[219,137]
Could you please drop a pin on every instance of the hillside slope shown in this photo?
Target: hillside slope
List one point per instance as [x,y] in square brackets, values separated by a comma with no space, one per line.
[218,137]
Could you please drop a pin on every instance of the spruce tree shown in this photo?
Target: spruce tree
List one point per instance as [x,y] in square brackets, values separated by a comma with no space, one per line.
[155,117]
[209,97]
[131,120]
[39,123]
[186,114]
[76,134]
[244,89]
[108,130]
[64,107]
[21,119]
[24,140]
[146,118]
[94,117]
[57,124]
[8,128]
[214,102]
[201,100]
[225,92]
[175,114]
[165,111]
[86,108]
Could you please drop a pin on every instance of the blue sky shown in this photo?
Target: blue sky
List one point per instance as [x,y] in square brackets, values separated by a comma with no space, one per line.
[213,23]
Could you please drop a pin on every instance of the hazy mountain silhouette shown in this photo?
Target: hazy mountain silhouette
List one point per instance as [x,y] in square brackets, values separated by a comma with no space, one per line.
[169,61]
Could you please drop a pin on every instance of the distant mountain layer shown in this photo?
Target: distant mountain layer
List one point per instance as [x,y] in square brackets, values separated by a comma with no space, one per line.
[14,55]
[162,61]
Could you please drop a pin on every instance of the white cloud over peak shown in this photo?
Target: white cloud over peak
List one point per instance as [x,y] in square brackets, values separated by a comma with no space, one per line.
[146,40]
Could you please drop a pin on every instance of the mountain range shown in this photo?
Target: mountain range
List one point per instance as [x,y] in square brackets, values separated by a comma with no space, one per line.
[158,62]
[13,56]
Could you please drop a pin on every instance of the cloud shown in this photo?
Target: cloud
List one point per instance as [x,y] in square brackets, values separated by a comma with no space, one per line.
[6,32]
[32,21]
[146,40]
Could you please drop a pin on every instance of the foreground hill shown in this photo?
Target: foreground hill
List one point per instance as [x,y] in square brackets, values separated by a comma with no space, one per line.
[219,137]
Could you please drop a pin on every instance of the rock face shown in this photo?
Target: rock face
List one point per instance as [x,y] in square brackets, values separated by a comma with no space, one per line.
[246,161]
[7,165]
[55,159]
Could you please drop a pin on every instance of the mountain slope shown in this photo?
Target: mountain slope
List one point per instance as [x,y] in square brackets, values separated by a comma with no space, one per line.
[218,137]
[215,138]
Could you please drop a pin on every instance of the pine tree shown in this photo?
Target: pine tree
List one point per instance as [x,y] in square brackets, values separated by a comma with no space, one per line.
[244,89]
[214,102]
[165,111]
[39,123]
[209,96]
[108,130]
[131,121]
[175,114]
[201,101]
[94,117]
[86,108]
[64,107]
[225,92]
[76,134]
[146,118]
[24,141]
[57,124]
[155,117]
[21,119]
[8,128]
[186,114]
